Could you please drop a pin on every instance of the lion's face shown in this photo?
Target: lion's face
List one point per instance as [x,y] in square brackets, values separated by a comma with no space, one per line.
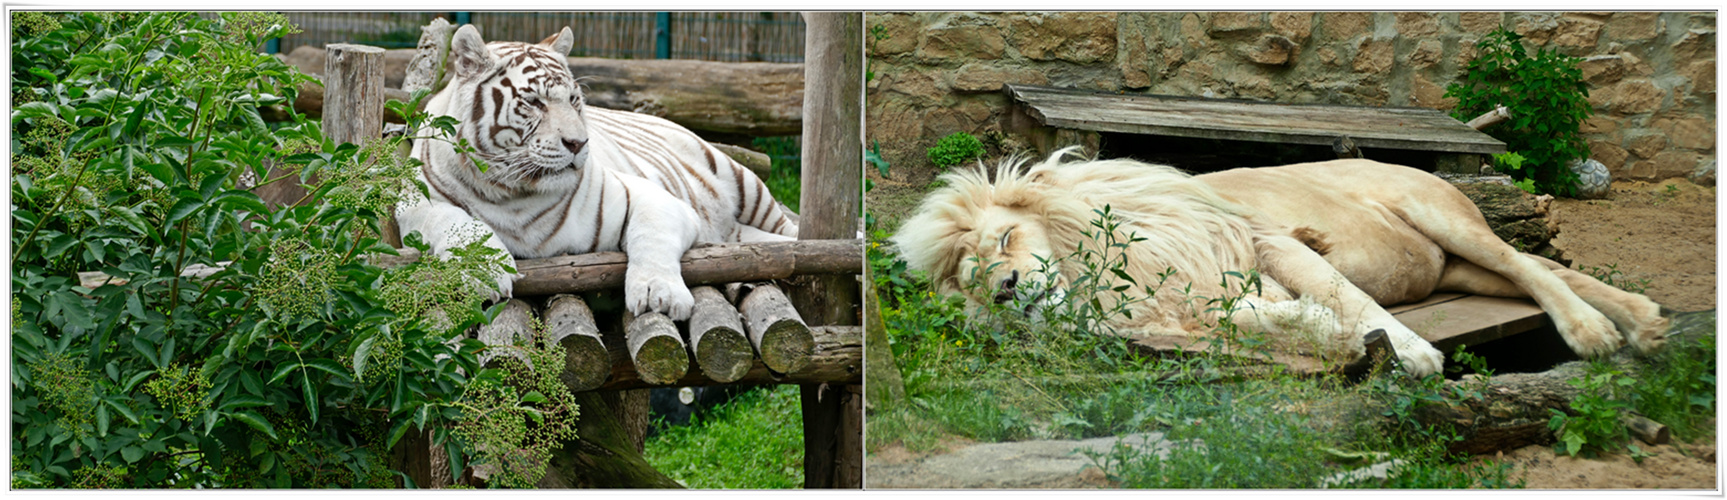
[1010,258]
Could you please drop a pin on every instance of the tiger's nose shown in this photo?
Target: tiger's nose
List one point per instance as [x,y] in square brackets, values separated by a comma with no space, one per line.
[574,145]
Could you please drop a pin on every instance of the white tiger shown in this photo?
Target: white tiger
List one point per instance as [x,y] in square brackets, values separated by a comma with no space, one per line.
[564,178]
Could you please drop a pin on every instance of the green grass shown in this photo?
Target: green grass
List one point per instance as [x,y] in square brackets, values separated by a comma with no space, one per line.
[1002,378]
[755,441]
[784,179]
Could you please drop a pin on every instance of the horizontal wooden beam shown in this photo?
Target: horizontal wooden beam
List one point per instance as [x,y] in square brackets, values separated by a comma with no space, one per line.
[703,265]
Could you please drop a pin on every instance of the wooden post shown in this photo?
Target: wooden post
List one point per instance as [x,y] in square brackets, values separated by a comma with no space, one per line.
[717,337]
[570,323]
[655,348]
[354,101]
[832,178]
[353,92]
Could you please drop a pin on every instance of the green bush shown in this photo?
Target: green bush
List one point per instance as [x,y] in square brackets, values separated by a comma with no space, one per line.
[1548,100]
[138,142]
[956,148]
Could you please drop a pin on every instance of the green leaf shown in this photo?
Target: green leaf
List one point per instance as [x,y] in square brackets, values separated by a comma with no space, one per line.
[122,409]
[132,454]
[244,401]
[330,367]
[311,397]
[361,355]
[182,209]
[282,372]
[257,422]
[534,397]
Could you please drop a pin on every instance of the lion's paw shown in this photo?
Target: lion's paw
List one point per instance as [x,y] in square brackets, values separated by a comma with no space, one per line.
[658,293]
[1420,359]
[1590,334]
[1649,335]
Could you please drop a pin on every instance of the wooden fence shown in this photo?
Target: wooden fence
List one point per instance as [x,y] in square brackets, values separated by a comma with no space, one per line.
[711,36]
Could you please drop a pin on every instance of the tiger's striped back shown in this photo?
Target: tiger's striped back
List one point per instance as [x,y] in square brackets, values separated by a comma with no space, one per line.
[722,191]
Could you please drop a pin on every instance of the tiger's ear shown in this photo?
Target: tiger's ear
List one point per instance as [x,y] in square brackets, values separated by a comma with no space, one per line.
[471,54]
[560,43]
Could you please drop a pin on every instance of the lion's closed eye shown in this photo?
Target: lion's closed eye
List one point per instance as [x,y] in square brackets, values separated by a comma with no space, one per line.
[1005,236]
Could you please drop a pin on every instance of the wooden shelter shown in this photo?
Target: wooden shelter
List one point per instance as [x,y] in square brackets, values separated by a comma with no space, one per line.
[1055,117]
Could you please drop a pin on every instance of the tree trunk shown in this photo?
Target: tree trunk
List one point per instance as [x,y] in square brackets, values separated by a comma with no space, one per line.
[606,453]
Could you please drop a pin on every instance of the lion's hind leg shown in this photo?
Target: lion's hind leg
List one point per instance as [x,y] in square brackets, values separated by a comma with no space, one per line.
[1310,326]
[1637,318]
[1456,226]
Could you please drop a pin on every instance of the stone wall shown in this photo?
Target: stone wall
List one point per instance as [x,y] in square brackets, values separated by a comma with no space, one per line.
[1652,75]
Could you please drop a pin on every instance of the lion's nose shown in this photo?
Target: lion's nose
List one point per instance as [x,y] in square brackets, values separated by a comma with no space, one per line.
[1011,281]
[574,145]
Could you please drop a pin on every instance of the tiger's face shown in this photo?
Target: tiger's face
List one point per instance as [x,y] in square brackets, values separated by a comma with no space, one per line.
[526,110]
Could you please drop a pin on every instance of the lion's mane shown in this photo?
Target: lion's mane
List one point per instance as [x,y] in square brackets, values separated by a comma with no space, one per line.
[1186,225]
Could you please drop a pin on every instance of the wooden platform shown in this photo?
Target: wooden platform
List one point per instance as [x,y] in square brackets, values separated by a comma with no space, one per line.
[1317,124]
[1446,320]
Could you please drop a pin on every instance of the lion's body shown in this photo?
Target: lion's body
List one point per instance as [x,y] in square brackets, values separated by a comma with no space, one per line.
[1389,234]
[563,178]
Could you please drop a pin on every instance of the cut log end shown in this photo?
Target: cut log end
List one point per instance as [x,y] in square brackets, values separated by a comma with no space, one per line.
[786,346]
[655,348]
[586,362]
[661,360]
[724,354]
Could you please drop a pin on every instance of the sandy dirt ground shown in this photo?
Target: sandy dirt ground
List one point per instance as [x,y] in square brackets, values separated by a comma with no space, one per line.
[1663,233]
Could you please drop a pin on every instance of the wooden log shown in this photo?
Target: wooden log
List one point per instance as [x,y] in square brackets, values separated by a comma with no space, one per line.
[570,323]
[1646,430]
[758,99]
[760,163]
[704,265]
[1498,115]
[708,264]
[717,340]
[778,333]
[655,348]
[1515,406]
[505,334]
[836,359]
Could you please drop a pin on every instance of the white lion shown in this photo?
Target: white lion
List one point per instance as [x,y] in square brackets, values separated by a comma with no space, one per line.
[1334,243]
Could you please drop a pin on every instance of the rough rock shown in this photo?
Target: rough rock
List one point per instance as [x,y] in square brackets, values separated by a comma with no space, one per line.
[1633,26]
[1015,465]
[1646,146]
[1273,50]
[1704,175]
[1479,22]
[1417,24]
[1372,56]
[1228,22]
[1577,33]
[1295,25]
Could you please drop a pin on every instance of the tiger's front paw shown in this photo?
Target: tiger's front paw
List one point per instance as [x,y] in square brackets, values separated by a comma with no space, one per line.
[504,286]
[659,293]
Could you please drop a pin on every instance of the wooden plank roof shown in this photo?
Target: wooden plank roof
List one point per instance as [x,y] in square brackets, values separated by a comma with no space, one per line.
[1320,124]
